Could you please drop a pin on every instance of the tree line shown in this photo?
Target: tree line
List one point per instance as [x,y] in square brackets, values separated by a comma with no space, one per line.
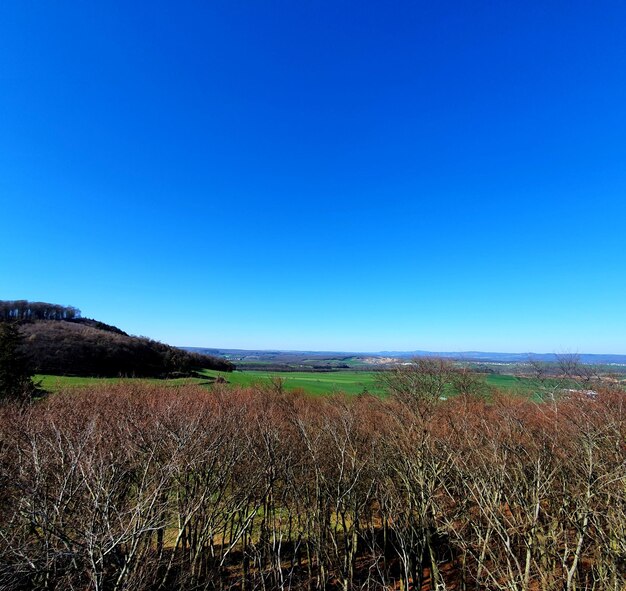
[23,310]
[140,487]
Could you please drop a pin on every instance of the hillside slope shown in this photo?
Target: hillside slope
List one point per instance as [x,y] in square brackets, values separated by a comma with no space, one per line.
[58,341]
[75,348]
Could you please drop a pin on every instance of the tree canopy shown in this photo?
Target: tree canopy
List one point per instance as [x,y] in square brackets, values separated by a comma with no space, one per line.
[24,310]
[15,375]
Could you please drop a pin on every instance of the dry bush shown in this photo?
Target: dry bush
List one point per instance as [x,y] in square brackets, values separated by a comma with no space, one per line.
[151,488]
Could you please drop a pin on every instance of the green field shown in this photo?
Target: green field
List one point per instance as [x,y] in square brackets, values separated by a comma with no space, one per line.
[315,383]
[350,382]
[56,383]
[318,383]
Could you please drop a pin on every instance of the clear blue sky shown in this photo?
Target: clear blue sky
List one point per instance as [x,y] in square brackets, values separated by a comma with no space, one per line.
[320,175]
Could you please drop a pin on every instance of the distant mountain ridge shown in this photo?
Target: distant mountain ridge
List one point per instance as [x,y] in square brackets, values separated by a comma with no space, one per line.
[591,358]
[470,356]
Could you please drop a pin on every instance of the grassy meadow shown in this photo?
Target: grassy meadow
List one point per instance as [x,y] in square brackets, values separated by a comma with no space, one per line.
[314,383]
[52,383]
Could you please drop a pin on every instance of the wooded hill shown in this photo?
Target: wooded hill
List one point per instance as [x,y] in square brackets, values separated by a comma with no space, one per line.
[57,340]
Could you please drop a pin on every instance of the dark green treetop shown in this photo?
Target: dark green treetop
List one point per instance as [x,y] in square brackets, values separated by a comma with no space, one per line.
[16,381]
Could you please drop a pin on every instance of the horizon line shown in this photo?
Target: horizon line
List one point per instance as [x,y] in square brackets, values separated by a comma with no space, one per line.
[406,352]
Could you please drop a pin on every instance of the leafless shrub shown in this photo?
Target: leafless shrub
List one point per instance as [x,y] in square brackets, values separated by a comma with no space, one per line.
[150,488]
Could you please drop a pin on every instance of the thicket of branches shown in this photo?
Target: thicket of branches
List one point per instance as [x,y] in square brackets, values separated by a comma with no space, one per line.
[150,488]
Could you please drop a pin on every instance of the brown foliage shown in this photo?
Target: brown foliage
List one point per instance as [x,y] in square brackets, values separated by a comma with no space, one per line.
[140,487]
[85,347]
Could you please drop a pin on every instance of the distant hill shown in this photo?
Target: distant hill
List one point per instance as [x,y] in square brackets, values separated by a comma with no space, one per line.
[62,343]
[481,356]
[270,359]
